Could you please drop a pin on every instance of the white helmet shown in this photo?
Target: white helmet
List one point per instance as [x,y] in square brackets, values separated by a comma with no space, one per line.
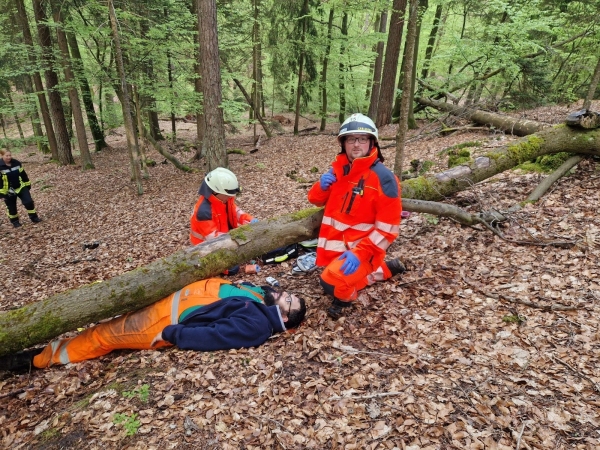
[222,181]
[358,124]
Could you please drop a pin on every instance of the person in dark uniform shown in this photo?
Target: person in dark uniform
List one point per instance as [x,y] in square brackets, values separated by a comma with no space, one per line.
[14,183]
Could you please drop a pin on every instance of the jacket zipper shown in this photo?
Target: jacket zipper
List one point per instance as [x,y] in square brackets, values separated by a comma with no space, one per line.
[356,190]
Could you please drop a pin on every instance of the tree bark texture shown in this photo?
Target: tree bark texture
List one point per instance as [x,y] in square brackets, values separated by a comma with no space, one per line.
[198,81]
[390,65]
[37,79]
[57,113]
[556,139]
[411,36]
[592,87]
[41,321]
[86,159]
[431,41]
[422,6]
[132,140]
[86,93]
[303,14]
[375,88]
[324,72]
[342,66]
[63,146]
[255,106]
[508,124]
[213,144]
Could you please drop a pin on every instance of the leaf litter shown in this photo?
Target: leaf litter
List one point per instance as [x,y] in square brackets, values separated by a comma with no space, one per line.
[427,360]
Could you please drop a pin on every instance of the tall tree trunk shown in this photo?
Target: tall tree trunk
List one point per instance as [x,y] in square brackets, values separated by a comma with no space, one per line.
[255,64]
[56,108]
[342,112]
[376,85]
[411,36]
[587,102]
[37,79]
[11,104]
[170,77]
[431,41]
[3,123]
[132,139]
[41,321]
[376,27]
[35,116]
[86,93]
[462,34]
[423,5]
[200,122]
[324,72]
[303,15]
[86,159]
[147,105]
[390,66]
[214,132]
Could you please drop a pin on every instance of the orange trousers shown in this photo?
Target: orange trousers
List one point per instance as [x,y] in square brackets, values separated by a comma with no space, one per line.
[134,330]
[346,287]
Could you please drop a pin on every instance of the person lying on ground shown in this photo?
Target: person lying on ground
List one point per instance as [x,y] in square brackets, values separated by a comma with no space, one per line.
[207,315]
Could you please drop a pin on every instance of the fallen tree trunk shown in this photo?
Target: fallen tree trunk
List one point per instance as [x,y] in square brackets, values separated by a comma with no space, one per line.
[46,319]
[556,139]
[518,127]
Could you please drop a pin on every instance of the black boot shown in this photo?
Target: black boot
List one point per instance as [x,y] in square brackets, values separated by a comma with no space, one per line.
[35,219]
[395,266]
[15,223]
[336,310]
[19,362]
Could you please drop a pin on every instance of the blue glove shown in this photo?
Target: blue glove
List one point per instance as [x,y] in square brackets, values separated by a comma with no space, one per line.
[327,179]
[254,221]
[351,264]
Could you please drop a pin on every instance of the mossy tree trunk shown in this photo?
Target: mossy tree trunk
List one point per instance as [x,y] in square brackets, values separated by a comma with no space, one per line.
[556,139]
[44,320]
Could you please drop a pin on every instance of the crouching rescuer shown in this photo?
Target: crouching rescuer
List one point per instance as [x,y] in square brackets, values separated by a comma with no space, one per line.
[362,200]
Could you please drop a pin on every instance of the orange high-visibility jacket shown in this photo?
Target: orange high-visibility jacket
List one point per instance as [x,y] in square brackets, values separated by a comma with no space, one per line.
[212,217]
[362,210]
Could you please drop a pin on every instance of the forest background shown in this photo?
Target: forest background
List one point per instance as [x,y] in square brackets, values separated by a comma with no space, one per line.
[94,94]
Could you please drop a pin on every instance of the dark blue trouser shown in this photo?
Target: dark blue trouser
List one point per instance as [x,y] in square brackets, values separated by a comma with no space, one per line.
[11,205]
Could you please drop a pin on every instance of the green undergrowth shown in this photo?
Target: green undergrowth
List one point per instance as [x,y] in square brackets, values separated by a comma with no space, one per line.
[546,163]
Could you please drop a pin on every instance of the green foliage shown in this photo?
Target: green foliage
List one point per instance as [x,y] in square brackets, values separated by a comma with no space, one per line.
[460,146]
[420,167]
[514,318]
[129,422]
[545,163]
[431,219]
[142,392]
[456,157]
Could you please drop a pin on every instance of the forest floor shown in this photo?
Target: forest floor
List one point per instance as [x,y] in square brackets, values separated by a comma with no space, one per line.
[442,357]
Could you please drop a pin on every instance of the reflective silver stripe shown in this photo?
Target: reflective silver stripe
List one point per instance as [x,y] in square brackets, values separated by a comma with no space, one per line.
[373,277]
[54,345]
[175,308]
[387,227]
[197,235]
[64,356]
[334,246]
[341,226]
[238,213]
[379,240]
